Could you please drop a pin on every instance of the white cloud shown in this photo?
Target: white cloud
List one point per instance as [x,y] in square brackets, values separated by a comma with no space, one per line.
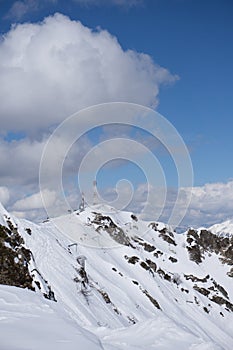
[20,8]
[20,161]
[35,201]
[4,195]
[211,203]
[54,68]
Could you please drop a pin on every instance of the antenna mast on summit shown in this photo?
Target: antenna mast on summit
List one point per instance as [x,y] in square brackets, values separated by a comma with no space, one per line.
[95,196]
[82,204]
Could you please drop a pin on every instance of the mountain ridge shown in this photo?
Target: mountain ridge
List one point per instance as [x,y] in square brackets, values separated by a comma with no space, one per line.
[135,274]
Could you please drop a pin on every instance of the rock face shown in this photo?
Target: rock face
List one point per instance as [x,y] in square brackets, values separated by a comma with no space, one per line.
[105,223]
[14,258]
[17,263]
[201,242]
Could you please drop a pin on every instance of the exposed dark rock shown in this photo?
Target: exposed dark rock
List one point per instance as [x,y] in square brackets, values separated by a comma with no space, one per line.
[193,233]
[106,223]
[221,289]
[158,253]
[164,275]
[29,231]
[107,300]
[201,290]
[134,217]
[190,240]
[132,260]
[137,239]
[152,264]
[50,294]
[195,253]
[174,260]
[167,277]
[38,284]
[218,300]
[228,255]
[194,249]
[221,301]
[144,265]
[205,309]
[147,247]
[163,230]
[116,310]
[11,226]
[197,279]
[166,237]
[154,226]
[14,258]
[152,300]
[105,296]
[199,243]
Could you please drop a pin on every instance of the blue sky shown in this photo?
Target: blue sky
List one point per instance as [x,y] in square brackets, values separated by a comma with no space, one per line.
[193,40]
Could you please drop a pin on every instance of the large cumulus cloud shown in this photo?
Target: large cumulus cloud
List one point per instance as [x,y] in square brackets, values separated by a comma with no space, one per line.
[54,68]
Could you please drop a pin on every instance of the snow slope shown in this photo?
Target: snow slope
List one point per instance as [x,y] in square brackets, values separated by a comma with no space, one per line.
[28,321]
[134,284]
[225,228]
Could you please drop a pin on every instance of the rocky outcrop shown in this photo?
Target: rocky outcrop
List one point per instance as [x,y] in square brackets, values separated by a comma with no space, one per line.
[197,279]
[14,258]
[105,223]
[201,242]
[167,236]
[221,301]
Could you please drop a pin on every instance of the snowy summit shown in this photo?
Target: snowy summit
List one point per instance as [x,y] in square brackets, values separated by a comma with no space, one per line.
[103,279]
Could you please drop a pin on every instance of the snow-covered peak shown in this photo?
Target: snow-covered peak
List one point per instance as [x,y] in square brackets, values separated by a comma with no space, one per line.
[223,229]
[151,279]
[3,215]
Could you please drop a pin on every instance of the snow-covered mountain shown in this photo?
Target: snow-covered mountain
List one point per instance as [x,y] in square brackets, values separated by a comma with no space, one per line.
[103,279]
[223,229]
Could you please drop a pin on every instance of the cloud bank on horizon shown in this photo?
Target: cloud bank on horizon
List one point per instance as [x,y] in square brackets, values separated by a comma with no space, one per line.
[210,204]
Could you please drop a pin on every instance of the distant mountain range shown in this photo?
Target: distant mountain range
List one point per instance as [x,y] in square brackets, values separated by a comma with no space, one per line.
[104,279]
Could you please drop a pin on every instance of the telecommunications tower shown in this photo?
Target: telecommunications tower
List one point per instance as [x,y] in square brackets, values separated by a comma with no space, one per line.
[82,204]
[95,196]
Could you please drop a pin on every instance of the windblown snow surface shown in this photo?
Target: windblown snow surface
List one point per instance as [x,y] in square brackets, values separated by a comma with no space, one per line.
[112,281]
